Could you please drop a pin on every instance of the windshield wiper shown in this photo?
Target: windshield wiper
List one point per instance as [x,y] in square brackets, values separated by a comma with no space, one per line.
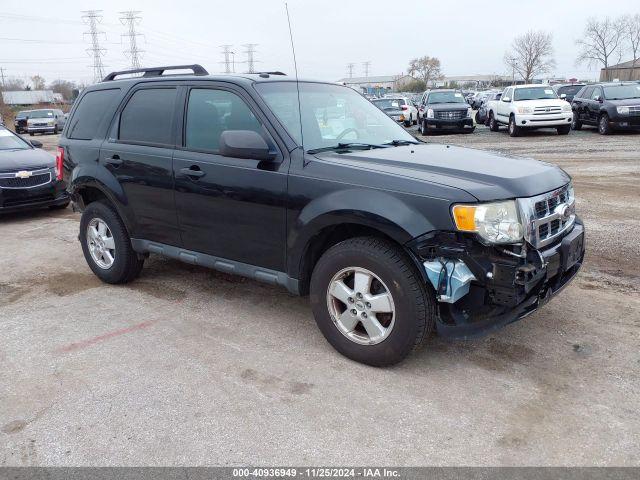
[345,146]
[398,143]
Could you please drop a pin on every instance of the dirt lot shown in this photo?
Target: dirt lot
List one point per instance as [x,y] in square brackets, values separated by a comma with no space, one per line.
[188,366]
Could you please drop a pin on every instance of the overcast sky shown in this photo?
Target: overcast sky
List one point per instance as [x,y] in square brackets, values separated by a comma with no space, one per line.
[468,37]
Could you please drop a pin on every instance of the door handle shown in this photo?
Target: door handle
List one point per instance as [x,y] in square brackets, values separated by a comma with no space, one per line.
[192,172]
[114,160]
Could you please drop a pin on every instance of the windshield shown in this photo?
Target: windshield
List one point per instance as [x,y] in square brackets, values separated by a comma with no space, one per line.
[389,103]
[331,114]
[534,93]
[569,89]
[445,97]
[41,114]
[21,115]
[622,92]
[9,141]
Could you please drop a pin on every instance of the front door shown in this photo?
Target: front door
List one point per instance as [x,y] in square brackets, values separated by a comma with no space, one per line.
[233,208]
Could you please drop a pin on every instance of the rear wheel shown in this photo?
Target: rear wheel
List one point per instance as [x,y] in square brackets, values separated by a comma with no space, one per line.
[564,130]
[604,127]
[514,130]
[493,124]
[106,245]
[369,301]
[576,124]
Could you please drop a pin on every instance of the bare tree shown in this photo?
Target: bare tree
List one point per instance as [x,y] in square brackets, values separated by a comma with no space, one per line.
[64,87]
[426,68]
[632,32]
[38,82]
[12,84]
[600,42]
[531,54]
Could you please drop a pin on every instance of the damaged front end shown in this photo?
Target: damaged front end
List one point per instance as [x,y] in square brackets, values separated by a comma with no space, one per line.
[482,287]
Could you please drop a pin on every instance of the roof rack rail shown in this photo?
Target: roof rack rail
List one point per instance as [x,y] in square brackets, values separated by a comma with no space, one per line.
[157,71]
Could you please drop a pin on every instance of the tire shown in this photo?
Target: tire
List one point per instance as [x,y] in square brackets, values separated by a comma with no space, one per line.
[415,122]
[31,134]
[564,130]
[604,128]
[576,124]
[424,131]
[412,305]
[126,265]
[408,123]
[514,130]
[493,124]
[55,130]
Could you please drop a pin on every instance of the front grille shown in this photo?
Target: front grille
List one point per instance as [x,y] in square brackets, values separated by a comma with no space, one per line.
[37,178]
[450,114]
[16,202]
[634,110]
[547,216]
[547,110]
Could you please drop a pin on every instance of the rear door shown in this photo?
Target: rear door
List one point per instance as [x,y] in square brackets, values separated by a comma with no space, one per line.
[233,208]
[139,153]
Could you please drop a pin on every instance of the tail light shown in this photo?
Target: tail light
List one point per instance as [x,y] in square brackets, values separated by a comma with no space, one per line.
[404,107]
[59,162]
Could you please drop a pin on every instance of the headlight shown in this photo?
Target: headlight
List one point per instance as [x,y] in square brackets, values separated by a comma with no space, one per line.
[566,108]
[50,122]
[623,110]
[469,112]
[494,222]
[430,113]
[525,110]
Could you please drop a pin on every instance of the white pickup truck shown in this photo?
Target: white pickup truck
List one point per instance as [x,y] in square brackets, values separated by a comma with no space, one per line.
[529,107]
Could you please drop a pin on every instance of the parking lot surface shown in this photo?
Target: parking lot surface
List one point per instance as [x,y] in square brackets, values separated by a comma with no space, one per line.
[187,366]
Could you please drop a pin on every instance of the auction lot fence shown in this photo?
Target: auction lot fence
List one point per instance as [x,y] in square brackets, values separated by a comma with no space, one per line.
[413,473]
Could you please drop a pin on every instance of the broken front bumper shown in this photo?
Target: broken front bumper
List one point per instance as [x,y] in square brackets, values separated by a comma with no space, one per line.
[482,288]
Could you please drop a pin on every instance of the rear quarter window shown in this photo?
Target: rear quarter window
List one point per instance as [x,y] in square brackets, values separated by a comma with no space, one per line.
[148,117]
[90,113]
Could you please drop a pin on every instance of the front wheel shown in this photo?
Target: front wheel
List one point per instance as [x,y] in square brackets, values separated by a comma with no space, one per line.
[604,127]
[514,130]
[576,124]
[564,130]
[370,302]
[408,123]
[424,131]
[493,123]
[106,245]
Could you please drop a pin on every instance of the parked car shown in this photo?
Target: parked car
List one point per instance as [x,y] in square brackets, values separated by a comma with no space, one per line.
[399,108]
[482,115]
[566,91]
[390,237]
[20,122]
[609,106]
[29,177]
[446,110]
[523,107]
[50,120]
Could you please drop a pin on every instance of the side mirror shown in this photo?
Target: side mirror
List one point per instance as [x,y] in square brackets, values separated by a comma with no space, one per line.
[563,96]
[506,99]
[244,144]
[600,99]
[35,143]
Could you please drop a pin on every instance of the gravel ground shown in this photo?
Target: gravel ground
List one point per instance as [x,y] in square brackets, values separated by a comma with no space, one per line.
[190,367]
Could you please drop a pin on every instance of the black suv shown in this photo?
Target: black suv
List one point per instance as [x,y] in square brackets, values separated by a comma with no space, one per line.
[309,186]
[609,106]
[446,110]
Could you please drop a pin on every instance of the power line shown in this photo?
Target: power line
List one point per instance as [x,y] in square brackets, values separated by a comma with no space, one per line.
[93,18]
[130,19]
[251,61]
[366,66]
[350,67]
[229,62]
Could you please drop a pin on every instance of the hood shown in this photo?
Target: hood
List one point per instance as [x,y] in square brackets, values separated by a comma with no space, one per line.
[485,175]
[30,159]
[448,106]
[546,102]
[625,102]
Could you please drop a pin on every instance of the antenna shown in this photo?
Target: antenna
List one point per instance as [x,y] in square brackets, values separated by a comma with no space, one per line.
[295,65]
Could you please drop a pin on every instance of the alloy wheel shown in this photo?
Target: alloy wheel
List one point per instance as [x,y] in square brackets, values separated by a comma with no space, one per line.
[101,244]
[361,306]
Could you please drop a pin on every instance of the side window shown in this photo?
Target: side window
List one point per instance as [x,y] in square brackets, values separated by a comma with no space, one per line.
[597,91]
[148,117]
[587,92]
[90,112]
[211,112]
[507,95]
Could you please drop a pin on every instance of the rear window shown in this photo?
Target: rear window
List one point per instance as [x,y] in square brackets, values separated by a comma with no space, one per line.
[569,89]
[147,117]
[90,112]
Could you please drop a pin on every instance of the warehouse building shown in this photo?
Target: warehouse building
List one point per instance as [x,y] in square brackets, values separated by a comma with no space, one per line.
[623,71]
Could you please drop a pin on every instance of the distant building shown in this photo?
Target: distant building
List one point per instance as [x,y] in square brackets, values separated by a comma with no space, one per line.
[378,84]
[476,81]
[29,97]
[623,71]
